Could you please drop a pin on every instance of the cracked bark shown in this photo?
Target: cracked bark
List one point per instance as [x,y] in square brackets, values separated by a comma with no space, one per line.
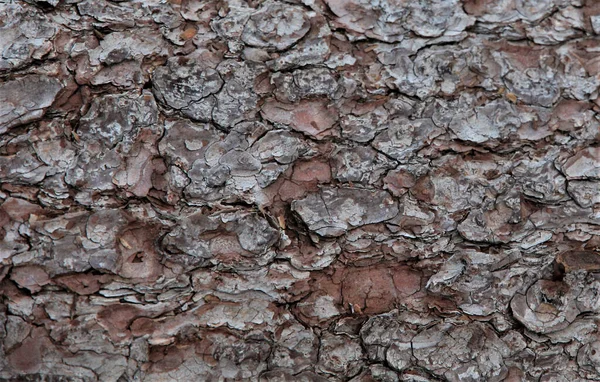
[316,190]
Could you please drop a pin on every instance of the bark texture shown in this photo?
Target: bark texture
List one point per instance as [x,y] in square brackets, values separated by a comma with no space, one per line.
[308,190]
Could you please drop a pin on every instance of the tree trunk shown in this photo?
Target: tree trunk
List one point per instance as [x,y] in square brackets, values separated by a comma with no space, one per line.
[309,190]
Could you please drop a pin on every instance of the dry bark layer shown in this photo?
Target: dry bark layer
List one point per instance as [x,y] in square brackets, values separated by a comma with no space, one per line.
[309,190]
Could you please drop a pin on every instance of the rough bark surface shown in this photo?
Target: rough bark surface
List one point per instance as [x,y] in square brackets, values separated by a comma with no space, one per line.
[309,190]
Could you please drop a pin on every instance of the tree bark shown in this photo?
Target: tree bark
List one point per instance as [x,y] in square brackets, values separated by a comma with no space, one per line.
[308,190]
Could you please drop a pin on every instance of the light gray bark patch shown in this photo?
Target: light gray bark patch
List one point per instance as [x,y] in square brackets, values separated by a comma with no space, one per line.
[345,208]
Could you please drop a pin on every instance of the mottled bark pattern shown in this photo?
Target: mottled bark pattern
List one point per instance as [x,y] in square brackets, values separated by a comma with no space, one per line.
[300,190]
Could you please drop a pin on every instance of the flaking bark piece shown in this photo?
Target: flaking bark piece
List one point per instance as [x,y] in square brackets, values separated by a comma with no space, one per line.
[547,306]
[275,26]
[25,35]
[344,209]
[26,99]
[189,85]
